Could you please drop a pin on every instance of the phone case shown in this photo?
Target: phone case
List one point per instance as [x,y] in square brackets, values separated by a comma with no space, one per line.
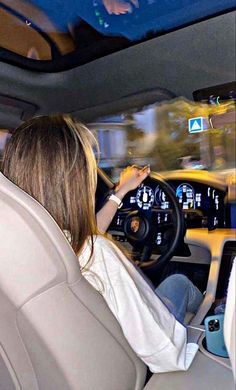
[214,326]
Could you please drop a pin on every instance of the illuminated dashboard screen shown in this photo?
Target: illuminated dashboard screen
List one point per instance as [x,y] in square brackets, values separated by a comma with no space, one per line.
[202,200]
[186,196]
[197,196]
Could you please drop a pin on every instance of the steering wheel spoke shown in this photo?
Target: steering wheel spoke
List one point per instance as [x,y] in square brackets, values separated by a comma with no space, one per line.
[149,227]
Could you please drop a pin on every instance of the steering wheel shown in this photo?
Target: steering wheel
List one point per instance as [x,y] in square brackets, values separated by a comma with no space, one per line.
[151,221]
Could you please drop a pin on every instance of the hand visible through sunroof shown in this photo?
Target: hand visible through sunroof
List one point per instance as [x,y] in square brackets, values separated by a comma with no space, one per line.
[118,7]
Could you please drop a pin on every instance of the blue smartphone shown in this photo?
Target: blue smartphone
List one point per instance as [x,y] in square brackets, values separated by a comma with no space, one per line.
[214,326]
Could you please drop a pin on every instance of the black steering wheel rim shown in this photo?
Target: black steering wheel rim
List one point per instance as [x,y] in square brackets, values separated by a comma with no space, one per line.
[178,225]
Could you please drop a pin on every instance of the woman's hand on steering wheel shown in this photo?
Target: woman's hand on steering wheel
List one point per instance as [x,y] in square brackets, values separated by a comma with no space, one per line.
[130,178]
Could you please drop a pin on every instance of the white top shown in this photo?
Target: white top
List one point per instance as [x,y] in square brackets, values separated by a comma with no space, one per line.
[151,330]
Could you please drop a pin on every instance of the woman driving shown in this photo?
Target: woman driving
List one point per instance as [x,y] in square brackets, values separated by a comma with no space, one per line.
[52,159]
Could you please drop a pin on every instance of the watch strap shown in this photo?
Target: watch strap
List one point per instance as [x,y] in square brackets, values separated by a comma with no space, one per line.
[115,199]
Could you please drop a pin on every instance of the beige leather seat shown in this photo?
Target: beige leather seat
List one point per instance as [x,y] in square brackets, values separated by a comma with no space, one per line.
[56,332]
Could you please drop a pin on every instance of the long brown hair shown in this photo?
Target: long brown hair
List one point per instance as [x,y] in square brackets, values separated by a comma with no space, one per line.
[52,159]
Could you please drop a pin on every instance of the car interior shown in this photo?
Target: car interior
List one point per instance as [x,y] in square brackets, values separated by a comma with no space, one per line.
[155,83]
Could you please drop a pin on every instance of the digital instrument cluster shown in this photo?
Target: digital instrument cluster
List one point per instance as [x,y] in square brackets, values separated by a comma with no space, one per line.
[146,197]
[199,196]
[193,197]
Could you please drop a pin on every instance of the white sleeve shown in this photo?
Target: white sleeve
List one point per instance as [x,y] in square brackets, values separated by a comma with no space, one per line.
[151,330]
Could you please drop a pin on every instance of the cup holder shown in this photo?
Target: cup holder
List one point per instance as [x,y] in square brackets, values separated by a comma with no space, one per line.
[216,349]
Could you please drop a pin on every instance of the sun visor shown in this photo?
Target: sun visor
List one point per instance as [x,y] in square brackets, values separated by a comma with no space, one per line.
[13,111]
[137,100]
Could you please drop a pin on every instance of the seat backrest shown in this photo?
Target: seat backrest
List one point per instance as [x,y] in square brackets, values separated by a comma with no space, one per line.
[56,331]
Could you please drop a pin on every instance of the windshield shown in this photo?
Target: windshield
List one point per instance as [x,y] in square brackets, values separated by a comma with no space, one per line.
[177,134]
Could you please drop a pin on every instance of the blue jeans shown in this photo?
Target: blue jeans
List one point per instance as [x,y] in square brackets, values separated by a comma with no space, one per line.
[180,295]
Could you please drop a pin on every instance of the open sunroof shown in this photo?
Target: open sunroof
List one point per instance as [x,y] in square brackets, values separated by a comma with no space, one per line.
[53,35]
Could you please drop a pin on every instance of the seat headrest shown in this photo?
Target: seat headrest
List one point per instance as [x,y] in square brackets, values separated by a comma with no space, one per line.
[34,251]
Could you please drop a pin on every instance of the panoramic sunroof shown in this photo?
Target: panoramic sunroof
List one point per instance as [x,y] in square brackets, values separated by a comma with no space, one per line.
[53,35]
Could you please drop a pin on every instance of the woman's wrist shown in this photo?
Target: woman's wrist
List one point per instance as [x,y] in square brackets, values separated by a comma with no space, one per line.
[120,192]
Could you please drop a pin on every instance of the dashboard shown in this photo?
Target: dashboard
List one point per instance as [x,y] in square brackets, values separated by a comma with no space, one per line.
[203,205]
[207,200]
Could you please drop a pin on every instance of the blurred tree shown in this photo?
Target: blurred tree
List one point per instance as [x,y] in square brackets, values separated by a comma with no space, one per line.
[173,140]
[133,132]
